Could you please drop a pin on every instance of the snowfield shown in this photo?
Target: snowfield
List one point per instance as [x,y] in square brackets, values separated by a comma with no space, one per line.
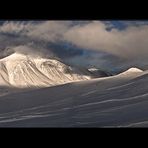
[115,101]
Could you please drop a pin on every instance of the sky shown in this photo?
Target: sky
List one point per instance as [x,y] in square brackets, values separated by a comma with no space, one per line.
[112,45]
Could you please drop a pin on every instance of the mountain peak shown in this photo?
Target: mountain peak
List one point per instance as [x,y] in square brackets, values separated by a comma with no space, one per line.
[134,69]
[14,56]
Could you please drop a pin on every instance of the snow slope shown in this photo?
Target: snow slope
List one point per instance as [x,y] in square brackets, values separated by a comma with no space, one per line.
[116,101]
[24,71]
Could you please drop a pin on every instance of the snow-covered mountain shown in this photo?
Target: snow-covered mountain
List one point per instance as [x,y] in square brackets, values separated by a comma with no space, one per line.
[22,71]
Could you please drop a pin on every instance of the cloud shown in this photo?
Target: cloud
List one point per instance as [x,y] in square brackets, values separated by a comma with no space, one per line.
[128,44]
[15,27]
[131,42]
[30,36]
[38,37]
[49,30]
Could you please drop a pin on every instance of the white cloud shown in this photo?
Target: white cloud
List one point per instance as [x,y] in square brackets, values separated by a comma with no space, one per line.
[15,27]
[49,30]
[44,30]
[129,43]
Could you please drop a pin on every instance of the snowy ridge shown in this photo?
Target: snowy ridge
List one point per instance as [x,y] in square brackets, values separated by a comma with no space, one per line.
[131,72]
[134,70]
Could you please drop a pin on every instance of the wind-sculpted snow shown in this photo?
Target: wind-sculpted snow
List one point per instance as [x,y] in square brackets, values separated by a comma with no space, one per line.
[116,101]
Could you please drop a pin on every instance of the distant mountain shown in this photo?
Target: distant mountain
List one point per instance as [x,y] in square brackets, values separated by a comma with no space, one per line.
[99,73]
[19,70]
